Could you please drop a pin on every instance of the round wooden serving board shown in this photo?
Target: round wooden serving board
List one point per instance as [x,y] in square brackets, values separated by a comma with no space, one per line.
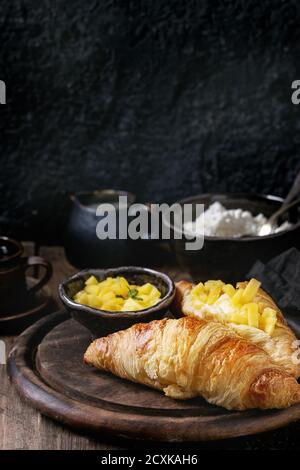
[47,368]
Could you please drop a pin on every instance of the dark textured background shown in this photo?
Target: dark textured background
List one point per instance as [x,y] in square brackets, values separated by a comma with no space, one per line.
[165,99]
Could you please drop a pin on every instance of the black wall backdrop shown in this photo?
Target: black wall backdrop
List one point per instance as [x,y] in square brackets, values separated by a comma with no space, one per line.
[163,98]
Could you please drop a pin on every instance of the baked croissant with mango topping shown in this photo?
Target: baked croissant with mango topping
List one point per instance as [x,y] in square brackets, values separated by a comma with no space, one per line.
[248,310]
[187,357]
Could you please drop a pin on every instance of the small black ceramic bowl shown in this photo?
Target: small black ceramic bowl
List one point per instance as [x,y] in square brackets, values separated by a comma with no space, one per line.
[103,322]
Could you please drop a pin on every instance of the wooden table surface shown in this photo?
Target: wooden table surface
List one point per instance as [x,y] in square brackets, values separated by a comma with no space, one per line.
[22,427]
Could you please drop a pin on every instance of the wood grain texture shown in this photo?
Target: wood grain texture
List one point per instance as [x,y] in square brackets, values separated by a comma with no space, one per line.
[22,427]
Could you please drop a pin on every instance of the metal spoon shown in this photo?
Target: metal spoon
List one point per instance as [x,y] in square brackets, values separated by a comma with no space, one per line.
[269,226]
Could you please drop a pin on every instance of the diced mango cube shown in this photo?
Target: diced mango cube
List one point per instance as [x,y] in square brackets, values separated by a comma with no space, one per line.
[268,320]
[253,314]
[104,290]
[146,302]
[214,294]
[92,289]
[251,290]
[79,293]
[206,293]
[208,285]
[112,306]
[120,286]
[94,301]
[229,290]
[213,283]
[269,325]
[81,298]
[91,281]
[261,306]
[202,297]
[240,317]
[237,297]
[145,289]
[198,288]
[155,293]
[108,297]
[269,313]
[131,305]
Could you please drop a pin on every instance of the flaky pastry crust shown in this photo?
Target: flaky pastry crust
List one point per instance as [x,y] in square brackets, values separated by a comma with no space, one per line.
[187,357]
[281,346]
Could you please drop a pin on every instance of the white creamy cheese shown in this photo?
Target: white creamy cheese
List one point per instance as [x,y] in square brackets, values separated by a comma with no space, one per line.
[221,222]
[222,309]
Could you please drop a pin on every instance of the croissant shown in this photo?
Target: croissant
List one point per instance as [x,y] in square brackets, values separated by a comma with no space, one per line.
[187,357]
[281,345]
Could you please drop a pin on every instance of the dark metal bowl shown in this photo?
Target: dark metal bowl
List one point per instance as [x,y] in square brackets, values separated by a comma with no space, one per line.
[230,259]
[102,322]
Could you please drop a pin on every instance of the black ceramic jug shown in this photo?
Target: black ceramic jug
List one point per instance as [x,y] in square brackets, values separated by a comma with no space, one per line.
[83,247]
